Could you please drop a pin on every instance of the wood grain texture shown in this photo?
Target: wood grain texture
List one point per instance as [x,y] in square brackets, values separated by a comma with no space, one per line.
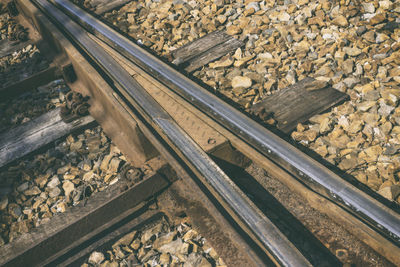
[204,50]
[295,104]
[77,222]
[199,46]
[36,79]
[36,133]
[8,47]
[109,6]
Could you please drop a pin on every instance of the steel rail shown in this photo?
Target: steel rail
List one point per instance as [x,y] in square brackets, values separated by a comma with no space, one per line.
[237,204]
[303,167]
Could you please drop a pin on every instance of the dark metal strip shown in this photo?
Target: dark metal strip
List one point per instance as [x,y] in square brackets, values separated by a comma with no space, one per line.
[236,202]
[306,169]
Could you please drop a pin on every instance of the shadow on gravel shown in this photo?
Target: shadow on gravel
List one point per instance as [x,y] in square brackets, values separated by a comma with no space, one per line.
[289,225]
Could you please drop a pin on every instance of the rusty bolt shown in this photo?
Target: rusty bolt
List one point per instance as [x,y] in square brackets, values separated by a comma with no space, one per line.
[211,141]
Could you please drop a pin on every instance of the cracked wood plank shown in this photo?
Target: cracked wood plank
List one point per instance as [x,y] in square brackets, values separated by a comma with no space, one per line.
[109,6]
[35,134]
[204,50]
[295,104]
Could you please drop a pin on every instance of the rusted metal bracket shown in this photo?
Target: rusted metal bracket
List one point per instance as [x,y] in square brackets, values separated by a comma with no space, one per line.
[76,106]
[131,174]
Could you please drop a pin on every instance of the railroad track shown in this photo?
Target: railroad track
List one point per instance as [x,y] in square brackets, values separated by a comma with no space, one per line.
[197,147]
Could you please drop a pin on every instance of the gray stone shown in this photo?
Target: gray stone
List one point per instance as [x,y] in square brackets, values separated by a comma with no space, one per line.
[23,187]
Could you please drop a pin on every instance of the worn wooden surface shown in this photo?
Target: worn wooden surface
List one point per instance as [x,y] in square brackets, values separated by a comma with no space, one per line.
[7,47]
[295,104]
[199,46]
[36,133]
[66,228]
[107,6]
[80,256]
[36,79]
[204,50]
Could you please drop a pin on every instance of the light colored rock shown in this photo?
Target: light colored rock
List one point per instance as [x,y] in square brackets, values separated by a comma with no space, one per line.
[149,233]
[135,244]
[386,4]
[340,21]
[69,176]
[301,47]
[3,203]
[390,192]
[164,239]
[381,37]
[233,29]
[191,234]
[284,17]
[384,109]
[96,258]
[241,81]
[76,146]
[378,18]
[348,66]
[114,165]
[221,19]
[316,85]
[89,176]
[221,63]
[61,206]
[302,2]
[351,81]
[150,254]
[33,191]
[368,7]
[352,51]
[366,105]
[68,188]
[325,125]
[165,259]
[54,192]
[174,247]
[105,162]
[54,181]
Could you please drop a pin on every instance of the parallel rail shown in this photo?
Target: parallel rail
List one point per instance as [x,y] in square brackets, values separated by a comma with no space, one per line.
[187,155]
[306,169]
[235,201]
